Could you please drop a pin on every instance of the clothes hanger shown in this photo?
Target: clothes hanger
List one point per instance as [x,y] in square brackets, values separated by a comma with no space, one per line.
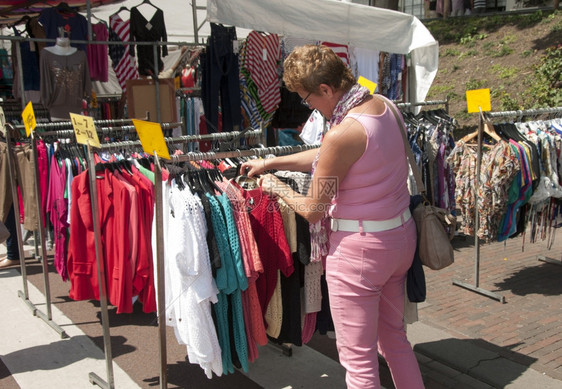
[24,18]
[123,8]
[125,164]
[208,173]
[99,20]
[488,129]
[146,2]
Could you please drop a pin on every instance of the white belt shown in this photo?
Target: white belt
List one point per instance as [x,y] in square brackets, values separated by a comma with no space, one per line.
[370,225]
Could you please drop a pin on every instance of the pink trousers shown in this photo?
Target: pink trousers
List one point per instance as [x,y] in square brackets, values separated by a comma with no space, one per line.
[366,274]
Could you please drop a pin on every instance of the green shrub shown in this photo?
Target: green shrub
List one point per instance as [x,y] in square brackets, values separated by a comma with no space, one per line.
[475,84]
[546,91]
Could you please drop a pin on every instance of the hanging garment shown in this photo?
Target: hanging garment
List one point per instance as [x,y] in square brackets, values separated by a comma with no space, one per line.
[25,173]
[143,273]
[253,316]
[97,53]
[81,262]
[29,66]
[220,81]
[341,51]
[65,82]
[74,25]
[190,288]
[6,199]
[230,281]
[153,30]
[122,61]
[498,169]
[261,61]
[267,225]
[57,207]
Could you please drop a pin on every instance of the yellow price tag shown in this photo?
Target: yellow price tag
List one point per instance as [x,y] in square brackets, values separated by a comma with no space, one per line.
[152,138]
[478,99]
[372,86]
[85,130]
[28,117]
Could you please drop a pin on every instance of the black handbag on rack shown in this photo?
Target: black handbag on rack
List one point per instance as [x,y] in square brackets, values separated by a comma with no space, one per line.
[415,278]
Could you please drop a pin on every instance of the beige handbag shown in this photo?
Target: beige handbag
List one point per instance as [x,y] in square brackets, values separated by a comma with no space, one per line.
[435,226]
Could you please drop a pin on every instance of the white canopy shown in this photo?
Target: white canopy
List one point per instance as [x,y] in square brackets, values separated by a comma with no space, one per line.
[339,22]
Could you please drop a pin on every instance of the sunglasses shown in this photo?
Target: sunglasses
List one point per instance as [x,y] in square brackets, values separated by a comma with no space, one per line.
[304,102]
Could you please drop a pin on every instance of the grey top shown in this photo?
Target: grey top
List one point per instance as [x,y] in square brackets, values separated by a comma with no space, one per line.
[65,81]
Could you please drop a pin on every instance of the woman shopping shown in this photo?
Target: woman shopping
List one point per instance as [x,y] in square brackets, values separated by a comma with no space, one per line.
[359,182]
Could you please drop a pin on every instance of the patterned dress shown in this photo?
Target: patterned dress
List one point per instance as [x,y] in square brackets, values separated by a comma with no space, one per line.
[122,61]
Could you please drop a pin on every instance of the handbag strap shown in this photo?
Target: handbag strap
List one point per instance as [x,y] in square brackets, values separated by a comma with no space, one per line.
[407,148]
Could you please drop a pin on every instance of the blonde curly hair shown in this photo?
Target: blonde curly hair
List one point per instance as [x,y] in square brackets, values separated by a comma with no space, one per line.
[308,66]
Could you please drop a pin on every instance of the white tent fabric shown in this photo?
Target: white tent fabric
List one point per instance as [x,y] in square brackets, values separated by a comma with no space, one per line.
[339,22]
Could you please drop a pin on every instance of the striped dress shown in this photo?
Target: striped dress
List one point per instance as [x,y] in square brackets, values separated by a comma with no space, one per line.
[262,60]
[123,63]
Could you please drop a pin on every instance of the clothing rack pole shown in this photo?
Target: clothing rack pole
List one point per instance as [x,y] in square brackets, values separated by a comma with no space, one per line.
[160,274]
[526,112]
[185,139]
[20,76]
[48,318]
[12,168]
[102,130]
[156,83]
[94,378]
[424,103]
[68,124]
[476,288]
[259,152]
[85,42]
[531,112]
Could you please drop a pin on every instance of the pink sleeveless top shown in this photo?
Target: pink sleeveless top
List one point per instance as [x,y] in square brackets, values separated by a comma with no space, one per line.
[375,187]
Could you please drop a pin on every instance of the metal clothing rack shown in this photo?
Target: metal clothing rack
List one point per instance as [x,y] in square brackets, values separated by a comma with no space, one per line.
[47,317]
[257,152]
[43,257]
[94,378]
[424,103]
[520,114]
[220,136]
[486,116]
[40,241]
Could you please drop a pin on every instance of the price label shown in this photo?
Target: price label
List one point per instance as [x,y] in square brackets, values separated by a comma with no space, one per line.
[478,99]
[28,116]
[152,138]
[372,86]
[85,130]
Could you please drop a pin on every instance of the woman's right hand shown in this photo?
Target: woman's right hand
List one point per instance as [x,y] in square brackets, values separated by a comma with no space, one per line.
[253,167]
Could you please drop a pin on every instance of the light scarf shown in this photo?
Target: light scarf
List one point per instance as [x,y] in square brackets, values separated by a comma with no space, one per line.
[319,242]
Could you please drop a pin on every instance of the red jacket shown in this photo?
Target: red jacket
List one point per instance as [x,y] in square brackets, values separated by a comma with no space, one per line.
[81,264]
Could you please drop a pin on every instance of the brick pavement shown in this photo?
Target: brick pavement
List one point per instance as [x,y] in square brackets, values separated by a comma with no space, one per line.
[527,328]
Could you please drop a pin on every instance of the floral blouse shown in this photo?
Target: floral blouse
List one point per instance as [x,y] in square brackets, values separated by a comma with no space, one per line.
[499,166]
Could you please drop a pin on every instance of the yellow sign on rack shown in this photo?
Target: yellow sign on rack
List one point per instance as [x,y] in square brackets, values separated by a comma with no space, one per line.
[152,138]
[85,130]
[372,86]
[28,116]
[477,99]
